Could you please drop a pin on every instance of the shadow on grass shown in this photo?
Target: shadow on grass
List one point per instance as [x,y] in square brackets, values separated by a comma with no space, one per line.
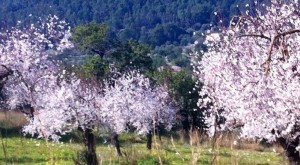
[76,137]
[29,160]
[204,162]
[23,159]
[11,132]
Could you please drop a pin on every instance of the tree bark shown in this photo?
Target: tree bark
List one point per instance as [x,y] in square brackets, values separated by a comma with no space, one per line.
[89,139]
[115,141]
[159,132]
[149,140]
[290,150]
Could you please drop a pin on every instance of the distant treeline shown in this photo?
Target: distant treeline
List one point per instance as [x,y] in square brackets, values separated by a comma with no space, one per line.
[152,21]
[166,25]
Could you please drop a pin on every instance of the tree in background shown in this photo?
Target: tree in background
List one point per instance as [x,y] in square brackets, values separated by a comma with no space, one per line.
[157,23]
[132,55]
[94,67]
[94,38]
[181,86]
[97,39]
[251,72]
[131,101]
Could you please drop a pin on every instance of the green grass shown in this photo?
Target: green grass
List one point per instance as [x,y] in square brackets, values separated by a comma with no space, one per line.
[29,151]
[21,150]
[182,155]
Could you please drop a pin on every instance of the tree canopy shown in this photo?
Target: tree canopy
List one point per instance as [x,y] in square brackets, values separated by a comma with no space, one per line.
[250,74]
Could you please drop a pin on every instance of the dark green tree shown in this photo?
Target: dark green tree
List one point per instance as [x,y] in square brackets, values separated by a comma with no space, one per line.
[132,55]
[97,39]
[94,38]
[182,88]
[95,67]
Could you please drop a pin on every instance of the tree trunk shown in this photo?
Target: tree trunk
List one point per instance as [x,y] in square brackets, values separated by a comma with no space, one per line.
[149,140]
[89,140]
[159,132]
[115,141]
[290,150]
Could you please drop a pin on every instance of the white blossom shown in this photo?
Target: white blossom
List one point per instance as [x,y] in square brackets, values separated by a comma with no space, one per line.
[252,81]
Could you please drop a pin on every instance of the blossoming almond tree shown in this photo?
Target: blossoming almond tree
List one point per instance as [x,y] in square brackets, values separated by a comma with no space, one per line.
[67,106]
[25,57]
[131,101]
[35,84]
[30,74]
[73,104]
[251,76]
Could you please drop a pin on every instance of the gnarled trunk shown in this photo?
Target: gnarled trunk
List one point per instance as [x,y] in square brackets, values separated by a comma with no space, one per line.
[115,141]
[290,150]
[149,140]
[89,140]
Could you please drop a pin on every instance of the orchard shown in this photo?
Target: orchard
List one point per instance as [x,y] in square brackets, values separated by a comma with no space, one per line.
[247,74]
[57,102]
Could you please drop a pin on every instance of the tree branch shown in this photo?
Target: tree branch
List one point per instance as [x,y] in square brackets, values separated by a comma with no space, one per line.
[289,32]
[255,35]
[274,39]
[6,74]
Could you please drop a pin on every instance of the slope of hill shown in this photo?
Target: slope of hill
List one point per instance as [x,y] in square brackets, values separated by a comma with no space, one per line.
[164,24]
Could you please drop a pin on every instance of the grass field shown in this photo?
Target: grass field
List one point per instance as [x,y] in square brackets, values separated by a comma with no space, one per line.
[17,149]
[21,150]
